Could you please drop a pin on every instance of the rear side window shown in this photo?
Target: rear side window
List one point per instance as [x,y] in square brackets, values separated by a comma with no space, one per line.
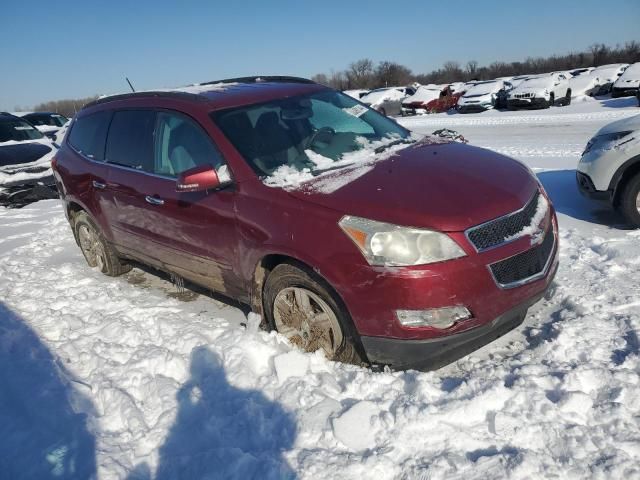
[130,141]
[89,133]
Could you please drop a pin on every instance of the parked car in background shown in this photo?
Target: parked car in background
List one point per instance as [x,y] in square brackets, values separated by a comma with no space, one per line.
[387,101]
[585,84]
[357,93]
[47,122]
[608,74]
[484,96]
[628,82]
[25,162]
[609,169]
[417,103]
[581,71]
[338,260]
[431,99]
[541,91]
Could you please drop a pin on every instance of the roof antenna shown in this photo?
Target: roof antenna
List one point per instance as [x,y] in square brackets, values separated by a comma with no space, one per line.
[132,89]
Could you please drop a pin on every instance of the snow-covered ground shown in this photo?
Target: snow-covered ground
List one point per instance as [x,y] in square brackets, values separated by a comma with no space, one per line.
[132,378]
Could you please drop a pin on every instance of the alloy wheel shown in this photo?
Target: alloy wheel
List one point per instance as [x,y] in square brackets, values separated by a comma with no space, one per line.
[307,321]
[91,247]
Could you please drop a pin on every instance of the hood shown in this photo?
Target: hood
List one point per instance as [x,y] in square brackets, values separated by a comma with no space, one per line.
[18,153]
[622,125]
[447,187]
[538,86]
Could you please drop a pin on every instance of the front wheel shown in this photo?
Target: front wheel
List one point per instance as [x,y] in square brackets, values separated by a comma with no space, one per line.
[302,309]
[567,98]
[630,202]
[552,100]
[95,248]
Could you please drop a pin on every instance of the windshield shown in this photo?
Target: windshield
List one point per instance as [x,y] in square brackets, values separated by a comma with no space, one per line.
[314,132]
[14,129]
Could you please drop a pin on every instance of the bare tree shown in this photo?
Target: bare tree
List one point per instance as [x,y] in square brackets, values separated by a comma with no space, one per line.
[390,74]
[360,73]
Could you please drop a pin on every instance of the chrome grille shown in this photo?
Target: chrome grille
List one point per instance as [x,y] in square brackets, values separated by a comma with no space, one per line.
[493,233]
[525,267]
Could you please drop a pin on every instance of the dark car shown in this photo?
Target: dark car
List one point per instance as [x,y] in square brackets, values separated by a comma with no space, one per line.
[49,123]
[342,229]
[25,163]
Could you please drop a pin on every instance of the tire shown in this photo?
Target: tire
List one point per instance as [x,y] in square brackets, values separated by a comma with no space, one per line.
[96,250]
[552,100]
[630,202]
[567,98]
[284,286]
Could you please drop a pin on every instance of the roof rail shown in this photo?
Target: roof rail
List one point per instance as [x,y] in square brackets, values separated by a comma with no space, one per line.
[261,78]
[150,93]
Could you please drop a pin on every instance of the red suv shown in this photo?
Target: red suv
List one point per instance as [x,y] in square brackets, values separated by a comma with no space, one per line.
[342,229]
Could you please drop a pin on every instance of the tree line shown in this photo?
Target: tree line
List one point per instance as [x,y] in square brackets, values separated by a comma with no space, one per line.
[365,74]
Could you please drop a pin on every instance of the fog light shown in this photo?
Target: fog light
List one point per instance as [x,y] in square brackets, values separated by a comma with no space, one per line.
[435,317]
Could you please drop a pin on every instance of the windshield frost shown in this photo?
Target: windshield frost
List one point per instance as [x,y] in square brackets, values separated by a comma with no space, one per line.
[301,137]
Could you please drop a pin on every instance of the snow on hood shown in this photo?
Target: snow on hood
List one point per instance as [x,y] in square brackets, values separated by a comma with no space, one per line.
[359,162]
[630,77]
[378,97]
[609,73]
[425,94]
[481,89]
[583,84]
[535,83]
[24,171]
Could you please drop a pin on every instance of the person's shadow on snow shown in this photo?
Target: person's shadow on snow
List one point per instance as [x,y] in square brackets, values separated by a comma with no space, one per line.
[41,435]
[223,432]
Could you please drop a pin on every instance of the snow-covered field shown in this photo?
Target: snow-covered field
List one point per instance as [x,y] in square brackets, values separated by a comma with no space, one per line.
[133,378]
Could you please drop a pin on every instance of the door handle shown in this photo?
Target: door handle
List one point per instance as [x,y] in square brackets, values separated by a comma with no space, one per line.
[99,185]
[154,200]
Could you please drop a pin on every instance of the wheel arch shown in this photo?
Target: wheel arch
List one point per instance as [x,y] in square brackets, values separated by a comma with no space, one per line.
[623,175]
[270,261]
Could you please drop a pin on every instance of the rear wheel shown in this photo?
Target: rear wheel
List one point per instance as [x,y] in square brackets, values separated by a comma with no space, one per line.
[95,248]
[552,100]
[306,312]
[630,201]
[567,98]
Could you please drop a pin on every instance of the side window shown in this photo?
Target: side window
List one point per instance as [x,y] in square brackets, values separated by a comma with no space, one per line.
[89,133]
[130,140]
[181,144]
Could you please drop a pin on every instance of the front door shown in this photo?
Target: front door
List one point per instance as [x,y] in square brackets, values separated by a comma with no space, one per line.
[190,234]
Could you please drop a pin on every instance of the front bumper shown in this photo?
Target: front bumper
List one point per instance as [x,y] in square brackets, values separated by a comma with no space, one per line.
[587,188]
[535,102]
[473,108]
[431,354]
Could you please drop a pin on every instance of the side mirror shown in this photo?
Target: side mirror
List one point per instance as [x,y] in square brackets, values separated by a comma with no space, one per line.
[198,179]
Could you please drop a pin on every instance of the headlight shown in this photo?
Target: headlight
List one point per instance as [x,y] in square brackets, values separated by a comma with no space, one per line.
[393,245]
[607,141]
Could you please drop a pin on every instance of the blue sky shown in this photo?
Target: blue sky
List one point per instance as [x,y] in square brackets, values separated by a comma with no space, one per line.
[77,48]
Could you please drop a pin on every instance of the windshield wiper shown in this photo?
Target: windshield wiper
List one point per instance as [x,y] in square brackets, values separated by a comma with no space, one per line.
[382,148]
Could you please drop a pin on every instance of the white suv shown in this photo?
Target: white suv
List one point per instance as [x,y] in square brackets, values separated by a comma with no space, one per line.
[541,91]
[609,169]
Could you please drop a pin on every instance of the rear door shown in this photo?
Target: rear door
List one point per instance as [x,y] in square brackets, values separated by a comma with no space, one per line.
[86,178]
